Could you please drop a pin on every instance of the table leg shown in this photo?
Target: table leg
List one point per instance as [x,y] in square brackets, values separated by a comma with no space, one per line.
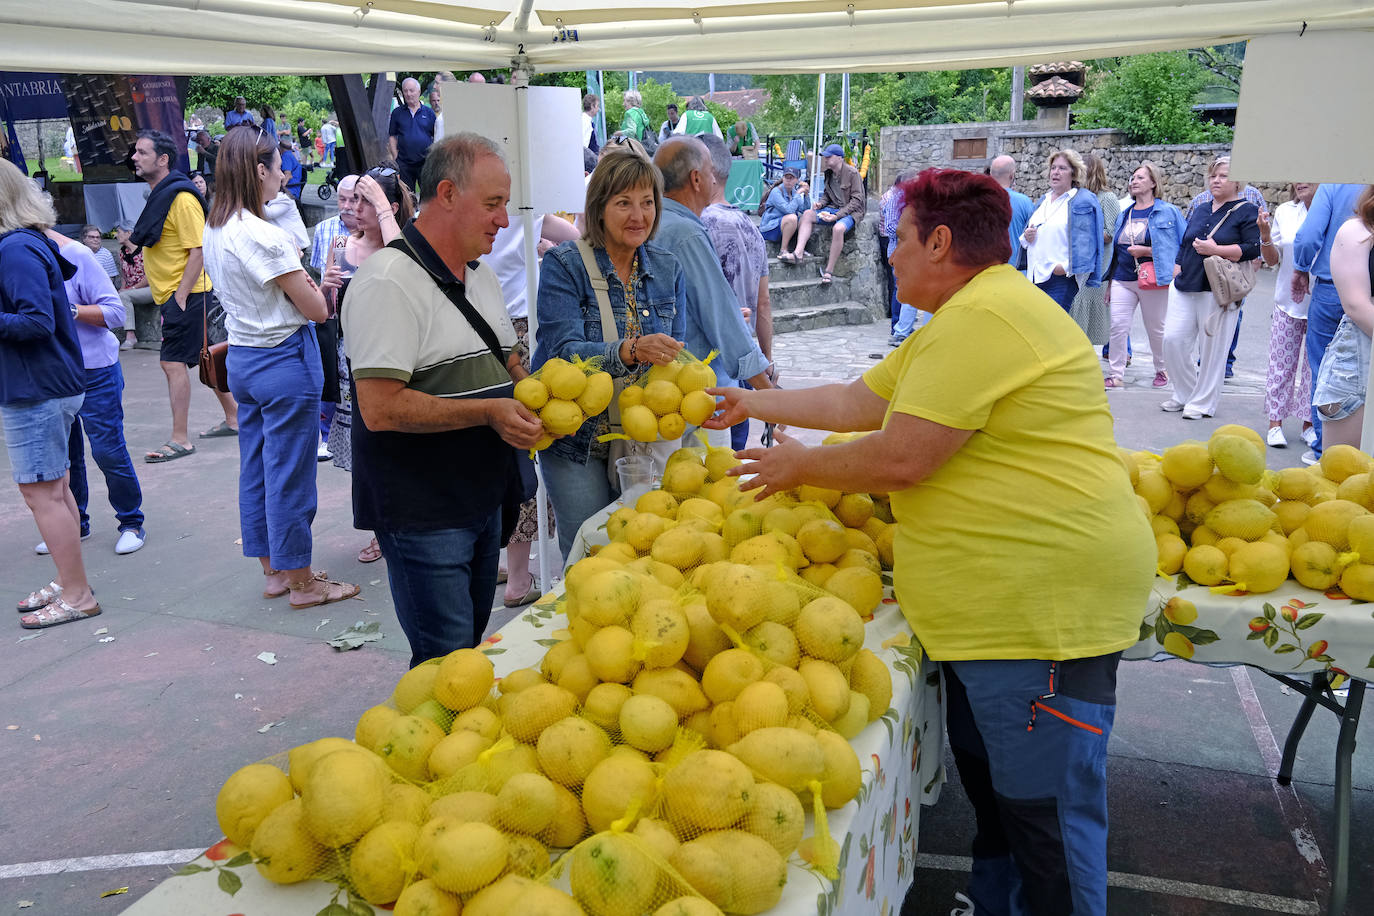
[1345,749]
[1290,746]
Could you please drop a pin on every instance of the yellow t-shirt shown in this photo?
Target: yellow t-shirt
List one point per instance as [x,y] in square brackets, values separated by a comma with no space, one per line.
[164,262]
[1028,542]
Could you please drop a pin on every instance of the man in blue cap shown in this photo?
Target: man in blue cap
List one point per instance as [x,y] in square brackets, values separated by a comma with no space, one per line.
[842,201]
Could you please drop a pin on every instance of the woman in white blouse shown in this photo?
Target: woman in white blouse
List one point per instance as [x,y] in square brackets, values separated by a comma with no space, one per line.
[274,369]
[1288,386]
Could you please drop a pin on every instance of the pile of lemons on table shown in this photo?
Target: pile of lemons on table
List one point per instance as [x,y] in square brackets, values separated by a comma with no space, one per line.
[1221,518]
[667,400]
[564,395]
[698,704]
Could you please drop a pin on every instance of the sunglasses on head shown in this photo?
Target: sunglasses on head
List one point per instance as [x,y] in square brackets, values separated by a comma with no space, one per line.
[382,173]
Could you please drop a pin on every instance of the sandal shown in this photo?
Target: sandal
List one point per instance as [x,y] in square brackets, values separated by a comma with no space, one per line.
[41,598]
[169,452]
[529,597]
[787,257]
[333,591]
[371,553]
[269,592]
[220,431]
[826,276]
[56,614]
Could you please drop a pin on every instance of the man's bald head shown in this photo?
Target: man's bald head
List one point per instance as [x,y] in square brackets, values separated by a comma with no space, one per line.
[476,78]
[1003,170]
[686,166]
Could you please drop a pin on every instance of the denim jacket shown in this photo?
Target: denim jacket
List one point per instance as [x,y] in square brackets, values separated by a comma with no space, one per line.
[1166,234]
[1085,237]
[570,319]
[780,204]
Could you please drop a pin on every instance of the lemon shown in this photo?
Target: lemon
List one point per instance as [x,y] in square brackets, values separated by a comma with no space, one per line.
[1162,524]
[404,802]
[671,426]
[647,722]
[853,509]
[1236,458]
[827,686]
[1357,581]
[613,785]
[342,798]
[786,756]
[528,858]
[1242,518]
[1315,564]
[531,392]
[1341,461]
[706,869]
[1291,514]
[688,906]
[248,796]
[730,672]
[697,407]
[1205,564]
[1354,488]
[577,677]
[462,858]
[406,746]
[662,397]
[465,678]
[1329,521]
[1294,484]
[382,863]
[853,720]
[741,525]
[565,380]
[470,807]
[612,875]
[704,509]
[873,679]
[455,751]
[570,748]
[1245,432]
[371,725]
[675,686]
[666,373]
[560,417]
[611,655]
[658,502]
[639,422]
[760,550]
[841,776]
[661,629]
[425,898]
[611,596]
[829,628]
[858,586]
[761,704]
[822,541]
[774,641]
[738,596]
[284,850]
[827,497]
[695,377]
[718,462]
[602,706]
[499,899]
[526,804]
[659,835]
[1155,489]
[596,397]
[632,396]
[569,824]
[776,816]
[1360,534]
[1170,551]
[708,790]
[535,708]
[1259,567]
[415,686]
[1187,465]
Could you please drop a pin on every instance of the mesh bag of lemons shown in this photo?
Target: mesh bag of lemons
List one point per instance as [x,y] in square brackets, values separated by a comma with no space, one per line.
[565,394]
[663,757]
[666,400]
[1225,521]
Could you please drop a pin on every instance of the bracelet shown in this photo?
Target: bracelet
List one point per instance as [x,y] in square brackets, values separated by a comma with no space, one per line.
[634,342]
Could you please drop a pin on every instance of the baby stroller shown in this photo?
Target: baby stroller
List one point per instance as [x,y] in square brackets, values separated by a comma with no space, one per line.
[329,185]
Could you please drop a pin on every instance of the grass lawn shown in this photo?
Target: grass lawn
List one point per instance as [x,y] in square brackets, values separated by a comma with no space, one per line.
[59,172]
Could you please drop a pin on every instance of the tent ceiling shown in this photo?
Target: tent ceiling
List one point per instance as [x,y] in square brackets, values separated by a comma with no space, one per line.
[334,36]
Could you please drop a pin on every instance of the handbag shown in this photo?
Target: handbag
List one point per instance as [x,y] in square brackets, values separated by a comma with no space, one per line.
[619,448]
[1145,275]
[1231,281]
[214,365]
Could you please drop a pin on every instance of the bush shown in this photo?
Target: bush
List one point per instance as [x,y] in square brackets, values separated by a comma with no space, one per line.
[1150,97]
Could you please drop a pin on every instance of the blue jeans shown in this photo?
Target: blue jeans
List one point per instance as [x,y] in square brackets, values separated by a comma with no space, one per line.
[1323,315]
[443,584]
[1039,793]
[577,491]
[909,320]
[1061,289]
[278,390]
[102,418]
[1235,339]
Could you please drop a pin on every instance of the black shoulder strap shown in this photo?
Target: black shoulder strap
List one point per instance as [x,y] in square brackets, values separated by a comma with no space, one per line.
[455,295]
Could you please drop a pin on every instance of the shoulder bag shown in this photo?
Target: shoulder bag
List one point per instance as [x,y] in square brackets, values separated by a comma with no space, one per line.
[1231,281]
[214,367]
[620,448]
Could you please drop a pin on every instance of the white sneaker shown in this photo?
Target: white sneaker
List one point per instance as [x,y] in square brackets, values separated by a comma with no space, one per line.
[1309,435]
[130,539]
[1171,406]
[1276,438]
[41,548]
[1310,458]
[323,453]
[965,908]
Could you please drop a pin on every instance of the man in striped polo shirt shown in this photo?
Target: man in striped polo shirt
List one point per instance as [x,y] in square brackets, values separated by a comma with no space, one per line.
[435,429]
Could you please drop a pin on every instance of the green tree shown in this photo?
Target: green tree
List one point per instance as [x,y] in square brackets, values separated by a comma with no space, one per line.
[1150,97]
[219,91]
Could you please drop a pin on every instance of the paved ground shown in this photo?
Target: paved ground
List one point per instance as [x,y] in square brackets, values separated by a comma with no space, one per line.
[116,748]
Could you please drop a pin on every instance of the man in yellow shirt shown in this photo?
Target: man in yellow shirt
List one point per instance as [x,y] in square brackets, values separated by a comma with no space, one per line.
[1022,559]
[170,229]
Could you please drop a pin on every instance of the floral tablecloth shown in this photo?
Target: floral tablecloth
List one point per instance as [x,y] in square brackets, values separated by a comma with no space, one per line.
[1292,630]
[901,753]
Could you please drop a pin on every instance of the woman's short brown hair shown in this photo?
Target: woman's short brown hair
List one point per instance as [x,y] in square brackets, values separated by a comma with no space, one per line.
[1155,175]
[1218,163]
[1095,172]
[1364,208]
[1074,160]
[617,172]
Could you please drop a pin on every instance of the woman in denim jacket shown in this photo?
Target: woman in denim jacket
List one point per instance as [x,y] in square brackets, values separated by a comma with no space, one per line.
[783,206]
[1063,239]
[624,201]
[1149,231]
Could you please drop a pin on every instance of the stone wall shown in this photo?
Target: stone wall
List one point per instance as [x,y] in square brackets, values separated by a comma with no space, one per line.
[1184,166]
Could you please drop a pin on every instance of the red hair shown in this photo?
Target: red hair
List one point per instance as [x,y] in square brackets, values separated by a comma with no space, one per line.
[975,208]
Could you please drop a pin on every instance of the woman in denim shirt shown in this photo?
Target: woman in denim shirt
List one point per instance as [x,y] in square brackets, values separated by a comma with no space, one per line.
[783,206]
[624,201]
[1150,230]
[1063,239]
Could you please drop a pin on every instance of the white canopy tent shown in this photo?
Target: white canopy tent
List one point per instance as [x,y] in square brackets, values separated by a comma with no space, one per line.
[798,36]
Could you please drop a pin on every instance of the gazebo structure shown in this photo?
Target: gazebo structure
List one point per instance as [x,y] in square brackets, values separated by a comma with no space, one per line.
[1053,88]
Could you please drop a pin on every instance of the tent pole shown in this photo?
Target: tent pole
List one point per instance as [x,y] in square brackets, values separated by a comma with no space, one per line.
[820,133]
[524,177]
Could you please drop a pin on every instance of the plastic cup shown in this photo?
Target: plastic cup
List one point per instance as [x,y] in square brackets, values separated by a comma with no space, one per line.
[636,473]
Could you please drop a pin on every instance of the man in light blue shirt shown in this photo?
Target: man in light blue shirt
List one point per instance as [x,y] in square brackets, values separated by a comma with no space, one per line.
[1003,171]
[1332,205]
[714,321]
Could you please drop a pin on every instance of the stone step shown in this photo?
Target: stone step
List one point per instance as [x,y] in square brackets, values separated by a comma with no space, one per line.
[803,288]
[825,316]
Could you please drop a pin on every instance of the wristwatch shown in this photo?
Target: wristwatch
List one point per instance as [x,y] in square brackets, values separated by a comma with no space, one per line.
[73,311]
